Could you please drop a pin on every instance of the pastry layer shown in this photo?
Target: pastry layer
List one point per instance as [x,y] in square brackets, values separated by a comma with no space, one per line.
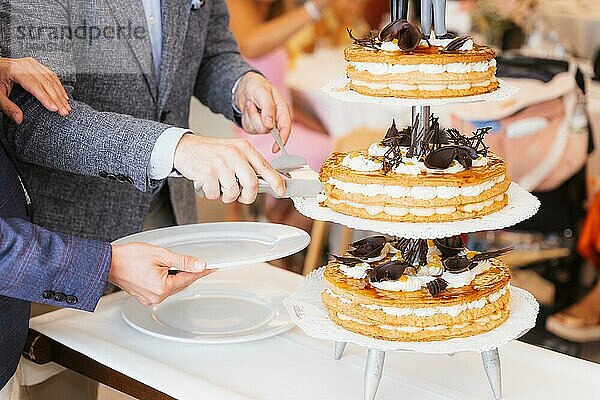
[467,310]
[426,72]
[424,197]
[392,213]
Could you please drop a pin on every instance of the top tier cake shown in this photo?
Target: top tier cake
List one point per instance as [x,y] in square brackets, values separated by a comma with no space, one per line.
[399,63]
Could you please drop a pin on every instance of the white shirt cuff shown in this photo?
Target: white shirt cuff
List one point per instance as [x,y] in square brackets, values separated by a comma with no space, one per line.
[163,153]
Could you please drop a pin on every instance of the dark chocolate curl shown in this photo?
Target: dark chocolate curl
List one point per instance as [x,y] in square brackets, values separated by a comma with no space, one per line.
[390,271]
[457,43]
[457,264]
[407,34]
[449,246]
[437,286]
[369,247]
[349,261]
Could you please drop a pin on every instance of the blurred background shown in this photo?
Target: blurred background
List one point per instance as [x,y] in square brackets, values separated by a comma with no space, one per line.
[548,48]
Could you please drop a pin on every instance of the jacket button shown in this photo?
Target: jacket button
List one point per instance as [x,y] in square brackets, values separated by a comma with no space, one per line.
[129,180]
[60,297]
[48,294]
[103,174]
[112,177]
[71,299]
[164,115]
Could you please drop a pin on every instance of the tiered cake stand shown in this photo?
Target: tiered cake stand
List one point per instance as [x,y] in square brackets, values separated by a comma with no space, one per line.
[309,314]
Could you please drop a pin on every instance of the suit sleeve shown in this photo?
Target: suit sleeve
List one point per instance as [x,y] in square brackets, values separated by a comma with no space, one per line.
[87,141]
[222,65]
[34,260]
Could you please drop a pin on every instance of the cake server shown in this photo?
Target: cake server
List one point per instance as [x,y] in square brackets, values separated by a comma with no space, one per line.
[300,182]
[300,179]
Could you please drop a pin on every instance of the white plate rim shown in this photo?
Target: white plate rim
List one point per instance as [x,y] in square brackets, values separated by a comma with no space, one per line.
[304,239]
[283,317]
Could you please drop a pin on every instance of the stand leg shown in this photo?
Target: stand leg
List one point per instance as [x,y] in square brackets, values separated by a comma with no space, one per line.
[339,350]
[491,365]
[373,371]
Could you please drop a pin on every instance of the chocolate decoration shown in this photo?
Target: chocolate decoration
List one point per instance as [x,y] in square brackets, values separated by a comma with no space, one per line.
[414,251]
[368,248]
[407,34]
[349,261]
[456,44]
[457,264]
[486,255]
[392,132]
[437,286]
[371,42]
[390,271]
[449,246]
[441,158]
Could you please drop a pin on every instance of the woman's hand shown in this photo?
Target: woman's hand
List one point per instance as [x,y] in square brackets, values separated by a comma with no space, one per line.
[38,80]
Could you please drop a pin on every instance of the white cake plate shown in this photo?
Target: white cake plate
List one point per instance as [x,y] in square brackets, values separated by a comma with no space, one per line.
[308,312]
[338,89]
[521,206]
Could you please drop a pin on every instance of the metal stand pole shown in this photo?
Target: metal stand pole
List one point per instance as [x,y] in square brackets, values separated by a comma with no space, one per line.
[491,365]
[423,128]
[373,371]
[339,350]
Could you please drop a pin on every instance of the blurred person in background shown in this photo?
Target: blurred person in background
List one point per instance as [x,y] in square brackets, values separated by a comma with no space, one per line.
[262,29]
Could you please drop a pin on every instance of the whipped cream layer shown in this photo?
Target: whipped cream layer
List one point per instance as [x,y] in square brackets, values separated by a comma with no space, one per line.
[432,69]
[414,329]
[409,166]
[453,311]
[419,211]
[415,192]
[422,86]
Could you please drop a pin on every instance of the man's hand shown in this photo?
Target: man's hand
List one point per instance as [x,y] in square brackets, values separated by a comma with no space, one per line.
[225,168]
[37,80]
[263,107]
[142,270]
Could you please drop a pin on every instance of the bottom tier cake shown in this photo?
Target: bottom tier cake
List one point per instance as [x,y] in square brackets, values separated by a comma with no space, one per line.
[416,290]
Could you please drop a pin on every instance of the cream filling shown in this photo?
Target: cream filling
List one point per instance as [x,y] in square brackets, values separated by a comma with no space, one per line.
[433,69]
[453,311]
[361,163]
[418,211]
[415,329]
[420,86]
[358,271]
[415,192]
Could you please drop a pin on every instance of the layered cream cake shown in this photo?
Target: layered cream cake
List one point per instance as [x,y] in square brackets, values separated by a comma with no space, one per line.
[432,69]
[396,295]
[385,183]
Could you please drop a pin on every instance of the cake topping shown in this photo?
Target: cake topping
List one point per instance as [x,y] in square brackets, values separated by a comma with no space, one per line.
[369,248]
[437,286]
[408,35]
[390,271]
[349,261]
[449,246]
[461,263]
[370,42]
[462,43]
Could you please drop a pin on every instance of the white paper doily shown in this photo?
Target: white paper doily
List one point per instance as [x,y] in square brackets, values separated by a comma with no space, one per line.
[337,89]
[308,312]
[521,206]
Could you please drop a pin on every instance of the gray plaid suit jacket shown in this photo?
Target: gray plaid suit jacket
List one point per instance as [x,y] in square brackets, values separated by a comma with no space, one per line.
[101,51]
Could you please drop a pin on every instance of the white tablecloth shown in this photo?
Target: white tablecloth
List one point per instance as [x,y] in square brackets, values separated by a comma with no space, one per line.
[294,366]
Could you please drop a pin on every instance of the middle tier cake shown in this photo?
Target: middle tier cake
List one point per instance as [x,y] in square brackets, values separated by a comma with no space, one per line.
[454,178]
